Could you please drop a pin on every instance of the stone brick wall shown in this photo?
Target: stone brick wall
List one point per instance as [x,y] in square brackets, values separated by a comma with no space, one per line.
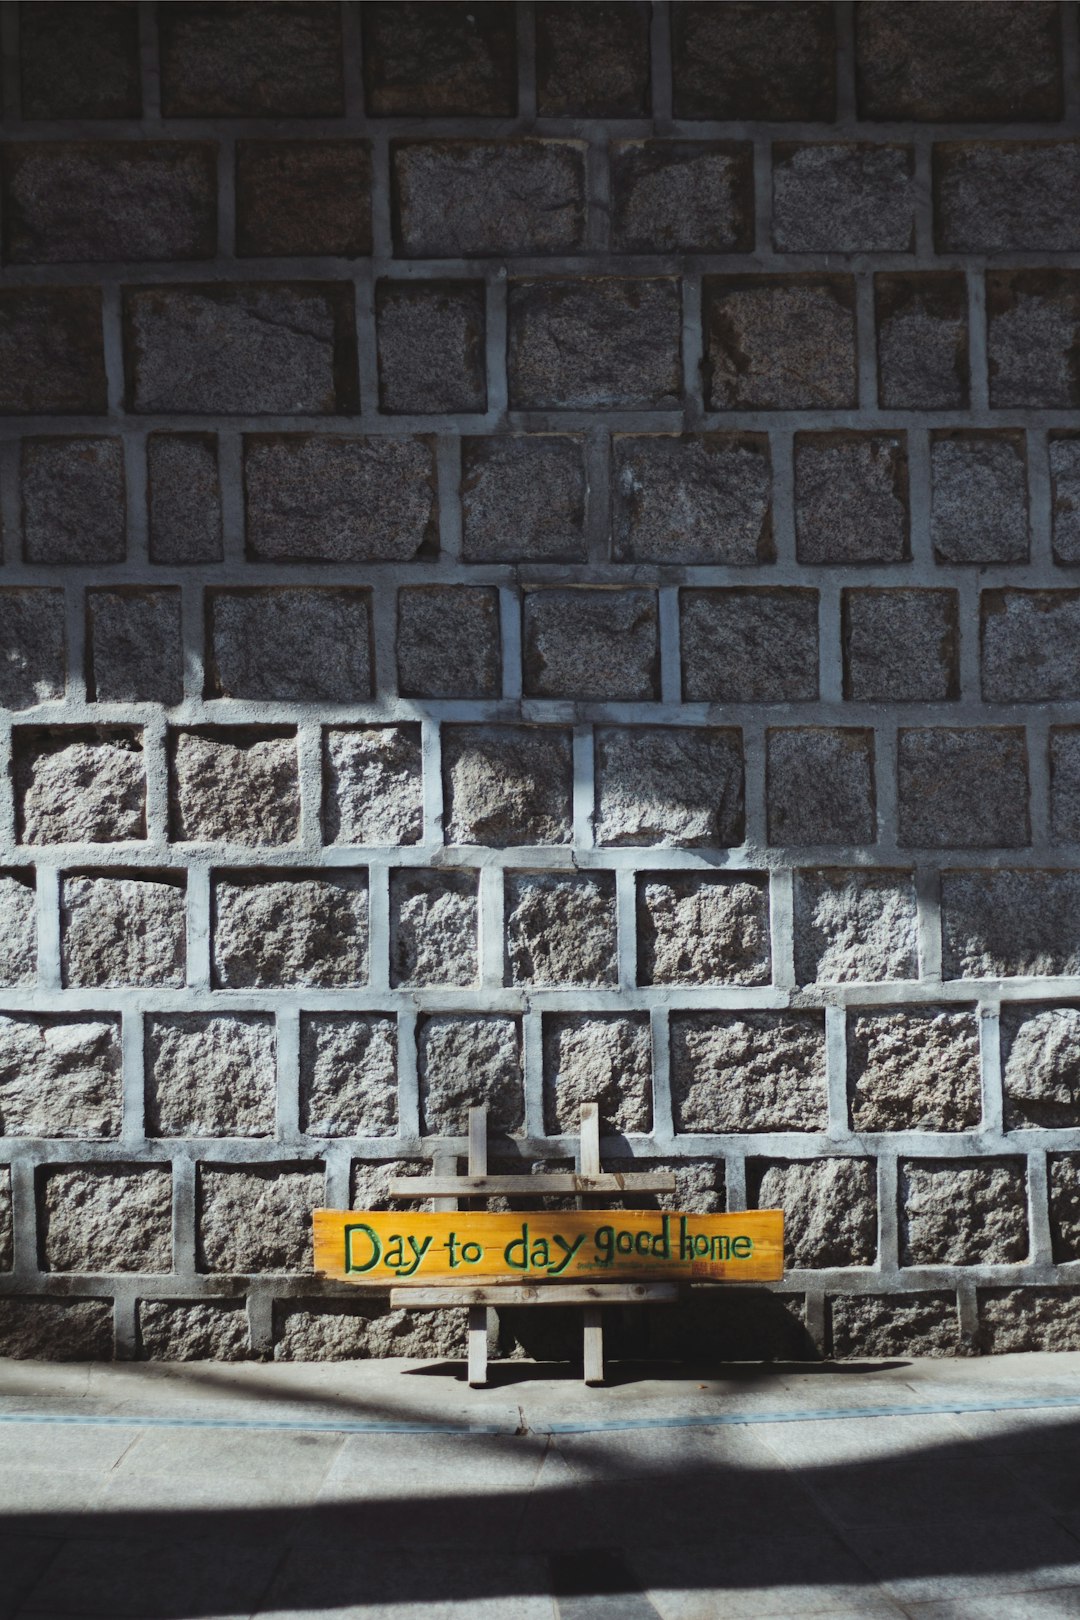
[539,561]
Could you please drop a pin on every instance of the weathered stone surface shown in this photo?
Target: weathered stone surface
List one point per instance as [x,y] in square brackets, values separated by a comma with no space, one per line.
[237,349]
[851,499]
[433,927]
[900,646]
[227,60]
[894,1325]
[87,201]
[848,197]
[183,497]
[1030,646]
[591,644]
[703,929]
[210,1075]
[374,785]
[978,499]
[999,923]
[1065,783]
[73,503]
[1033,317]
[7,1230]
[31,647]
[507,785]
[592,60]
[560,928]
[963,788]
[820,785]
[779,343]
[256,1217]
[854,925]
[754,61]
[439,61]
[448,641]
[1040,1055]
[235,786]
[60,1076]
[601,1059]
[830,1210]
[337,1330]
[1065,484]
[749,645]
[52,355]
[80,60]
[922,340]
[56,1329]
[914,1069]
[1018,1319]
[18,929]
[1005,196]
[676,785]
[523,498]
[291,931]
[193,1330]
[81,787]
[465,1062]
[370,1184]
[735,1072]
[692,498]
[481,199]
[595,342]
[348,1074]
[302,645]
[303,197]
[122,930]
[956,1212]
[106,1218]
[136,648]
[418,321]
[1064,1177]
[682,196]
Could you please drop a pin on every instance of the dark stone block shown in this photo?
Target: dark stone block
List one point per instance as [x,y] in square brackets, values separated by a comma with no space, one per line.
[79,60]
[694,498]
[523,498]
[749,645]
[749,60]
[310,197]
[682,196]
[592,60]
[250,60]
[73,501]
[184,497]
[922,340]
[591,644]
[441,59]
[847,197]
[1005,196]
[52,355]
[819,785]
[591,343]
[136,653]
[1030,646]
[851,497]
[296,645]
[900,646]
[1033,333]
[779,343]
[978,496]
[448,643]
[431,346]
[482,199]
[32,636]
[963,788]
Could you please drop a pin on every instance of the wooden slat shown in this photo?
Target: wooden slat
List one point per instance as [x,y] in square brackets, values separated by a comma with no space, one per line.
[478,1316]
[593,1330]
[606,1183]
[590,1139]
[437,1299]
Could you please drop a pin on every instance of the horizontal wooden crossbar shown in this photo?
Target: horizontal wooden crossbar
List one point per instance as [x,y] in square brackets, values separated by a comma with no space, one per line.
[608,1184]
[436,1299]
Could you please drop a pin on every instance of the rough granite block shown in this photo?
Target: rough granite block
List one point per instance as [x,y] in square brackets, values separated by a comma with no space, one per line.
[819,785]
[463,1062]
[228,60]
[738,1072]
[307,197]
[560,928]
[698,928]
[1064,1187]
[79,786]
[830,1209]
[374,783]
[843,197]
[117,931]
[978,496]
[434,60]
[523,498]
[962,1212]
[593,1057]
[1033,324]
[105,1218]
[370,1184]
[674,785]
[962,788]
[7,1229]
[1065,784]
[1040,1059]
[433,927]
[348,1074]
[18,928]
[183,497]
[79,60]
[418,321]
[234,786]
[60,1076]
[749,645]
[31,647]
[364,1330]
[592,60]
[851,497]
[997,924]
[682,196]
[256,1217]
[779,343]
[855,926]
[73,504]
[750,60]
[595,343]
[593,644]
[914,1069]
[448,641]
[210,1075]
[481,199]
[507,785]
[53,351]
[193,1330]
[279,932]
[694,498]
[1030,646]
[894,1325]
[297,645]
[1019,1319]
[900,646]
[922,340]
[1065,486]
[1005,196]
[57,1329]
[136,651]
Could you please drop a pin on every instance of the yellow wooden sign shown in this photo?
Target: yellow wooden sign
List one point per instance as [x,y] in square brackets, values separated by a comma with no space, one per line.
[363,1246]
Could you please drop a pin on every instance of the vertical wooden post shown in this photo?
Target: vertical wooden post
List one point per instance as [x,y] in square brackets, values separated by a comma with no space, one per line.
[593,1347]
[478,1316]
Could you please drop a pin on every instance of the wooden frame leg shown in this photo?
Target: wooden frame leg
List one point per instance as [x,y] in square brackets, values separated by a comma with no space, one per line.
[594,1345]
[478,1346]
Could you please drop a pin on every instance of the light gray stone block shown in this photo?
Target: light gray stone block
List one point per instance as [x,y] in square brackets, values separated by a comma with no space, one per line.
[433,927]
[60,1076]
[1013,1320]
[210,1076]
[193,1330]
[18,929]
[736,1072]
[1040,1055]
[374,785]
[855,925]
[256,1217]
[507,785]
[56,1329]
[914,1069]
[291,931]
[671,785]
[963,1212]
[106,1218]
[696,929]
[117,931]
[894,1325]
[560,929]
[79,787]
[830,1210]
[606,1059]
[467,1062]
[235,787]
[333,1330]
[348,1074]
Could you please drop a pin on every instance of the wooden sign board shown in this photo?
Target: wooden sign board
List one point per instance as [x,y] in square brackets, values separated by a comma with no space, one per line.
[383,1248]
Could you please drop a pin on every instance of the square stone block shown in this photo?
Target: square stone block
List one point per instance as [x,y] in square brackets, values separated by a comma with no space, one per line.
[79,786]
[978,497]
[692,498]
[60,1075]
[1040,1058]
[1033,318]
[193,1330]
[749,645]
[418,319]
[560,928]
[820,785]
[696,928]
[54,352]
[830,1209]
[900,646]
[592,59]
[117,931]
[234,786]
[282,931]
[855,925]
[682,196]
[507,785]
[256,1217]
[1029,646]
[587,643]
[779,343]
[523,497]
[843,197]
[308,197]
[105,1218]
[32,636]
[446,62]
[464,1062]
[448,641]
[673,785]
[348,1074]
[962,1212]
[601,1058]
[1002,923]
[922,340]
[851,498]
[1019,1319]
[136,652]
[294,645]
[433,927]
[595,343]
[80,61]
[748,1071]
[373,779]
[210,1075]
[914,1069]
[74,508]
[963,788]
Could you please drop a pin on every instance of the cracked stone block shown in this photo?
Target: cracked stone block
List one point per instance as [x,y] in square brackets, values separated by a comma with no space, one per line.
[1029,646]
[439,61]
[105,1218]
[251,61]
[601,1058]
[183,498]
[374,785]
[914,1069]
[507,785]
[1065,488]
[779,343]
[998,924]
[235,786]
[560,928]
[589,643]
[749,645]
[749,1071]
[210,1075]
[465,1062]
[851,498]
[296,930]
[820,785]
[670,785]
[434,924]
[449,643]
[1033,319]
[79,786]
[7,1229]
[56,1329]
[695,929]
[136,652]
[1025,1319]
[417,320]
[963,788]
[348,1074]
[1064,1179]
[978,497]
[692,498]
[31,647]
[18,929]
[843,197]
[922,340]
[855,926]
[754,61]
[682,196]
[595,343]
[60,1076]
[303,645]
[523,498]
[592,60]
[307,197]
[193,1330]
[901,646]
[830,1209]
[80,61]
[53,351]
[894,1325]
[480,199]
[117,931]
[963,1212]
[74,508]
[333,1330]
[256,1217]
[1005,196]
[1040,1055]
